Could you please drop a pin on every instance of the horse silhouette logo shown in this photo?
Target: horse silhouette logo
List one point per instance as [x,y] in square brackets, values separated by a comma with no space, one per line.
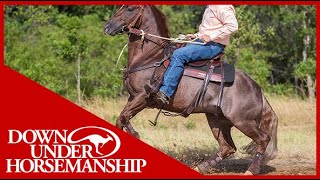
[97,140]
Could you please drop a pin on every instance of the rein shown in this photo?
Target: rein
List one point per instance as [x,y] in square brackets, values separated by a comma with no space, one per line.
[141,33]
[156,64]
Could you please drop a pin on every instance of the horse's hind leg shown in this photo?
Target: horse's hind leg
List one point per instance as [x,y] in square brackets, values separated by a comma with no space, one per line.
[251,129]
[221,129]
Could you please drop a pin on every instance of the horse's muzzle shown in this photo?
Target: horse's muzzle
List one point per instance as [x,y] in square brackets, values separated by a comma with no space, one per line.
[107,30]
[111,30]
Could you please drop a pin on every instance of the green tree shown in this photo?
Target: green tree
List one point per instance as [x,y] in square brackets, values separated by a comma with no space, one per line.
[73,48]
[287,42]
[245,49]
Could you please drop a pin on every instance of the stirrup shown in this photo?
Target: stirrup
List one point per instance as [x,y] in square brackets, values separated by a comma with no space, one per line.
[160,96]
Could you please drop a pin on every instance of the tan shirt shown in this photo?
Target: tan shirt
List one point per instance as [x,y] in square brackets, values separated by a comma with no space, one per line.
[219,22]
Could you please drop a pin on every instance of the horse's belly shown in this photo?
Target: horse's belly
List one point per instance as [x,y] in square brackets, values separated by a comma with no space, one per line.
[186,92]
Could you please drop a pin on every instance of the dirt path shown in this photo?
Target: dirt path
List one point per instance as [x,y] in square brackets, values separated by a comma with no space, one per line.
[281,165]
[277,167]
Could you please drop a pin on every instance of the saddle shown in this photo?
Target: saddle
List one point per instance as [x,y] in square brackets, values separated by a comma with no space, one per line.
[199,69]
[211,70]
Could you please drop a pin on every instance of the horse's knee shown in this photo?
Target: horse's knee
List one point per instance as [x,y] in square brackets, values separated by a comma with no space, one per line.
[119,123]
[122,119]
[125,116]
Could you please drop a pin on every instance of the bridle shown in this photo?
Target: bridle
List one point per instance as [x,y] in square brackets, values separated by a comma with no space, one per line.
[133,23]
[138,32]
[130,28]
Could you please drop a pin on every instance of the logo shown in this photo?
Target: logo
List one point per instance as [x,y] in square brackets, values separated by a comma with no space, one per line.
[83,150]
[97,140]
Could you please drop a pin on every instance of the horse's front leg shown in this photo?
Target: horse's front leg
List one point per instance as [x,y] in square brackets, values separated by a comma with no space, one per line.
[133,106]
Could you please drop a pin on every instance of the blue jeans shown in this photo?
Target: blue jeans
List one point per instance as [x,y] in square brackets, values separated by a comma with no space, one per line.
[181,57]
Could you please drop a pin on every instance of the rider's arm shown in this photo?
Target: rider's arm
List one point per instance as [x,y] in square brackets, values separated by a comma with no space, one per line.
[227,17]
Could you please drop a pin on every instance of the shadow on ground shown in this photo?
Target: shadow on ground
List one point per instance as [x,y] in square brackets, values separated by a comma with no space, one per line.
[193,157]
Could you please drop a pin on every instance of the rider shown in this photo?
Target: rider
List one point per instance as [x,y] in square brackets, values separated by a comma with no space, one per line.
[218,23]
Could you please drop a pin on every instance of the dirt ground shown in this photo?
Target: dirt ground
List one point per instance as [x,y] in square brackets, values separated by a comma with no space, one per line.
[281,165]
[276,167]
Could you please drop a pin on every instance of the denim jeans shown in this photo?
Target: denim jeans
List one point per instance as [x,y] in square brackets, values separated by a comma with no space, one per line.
[181,57]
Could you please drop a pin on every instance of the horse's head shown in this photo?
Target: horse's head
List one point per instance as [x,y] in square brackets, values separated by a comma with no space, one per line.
[125,18]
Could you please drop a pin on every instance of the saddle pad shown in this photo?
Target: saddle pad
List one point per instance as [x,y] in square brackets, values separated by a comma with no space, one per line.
[200,72]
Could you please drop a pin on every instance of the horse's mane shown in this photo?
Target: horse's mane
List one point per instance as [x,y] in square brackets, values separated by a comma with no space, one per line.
[161,21]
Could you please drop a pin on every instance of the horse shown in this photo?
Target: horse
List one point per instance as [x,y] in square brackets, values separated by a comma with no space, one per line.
[244,105]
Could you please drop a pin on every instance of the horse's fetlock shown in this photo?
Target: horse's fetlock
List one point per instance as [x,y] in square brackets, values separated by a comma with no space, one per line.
[226,152]
[231,151]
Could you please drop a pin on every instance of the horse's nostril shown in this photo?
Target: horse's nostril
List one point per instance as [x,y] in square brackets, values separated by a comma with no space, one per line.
[107,26]
[106,29]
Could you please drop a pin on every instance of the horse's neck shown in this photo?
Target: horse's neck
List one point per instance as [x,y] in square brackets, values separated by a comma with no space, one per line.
[142,52]
[146,51]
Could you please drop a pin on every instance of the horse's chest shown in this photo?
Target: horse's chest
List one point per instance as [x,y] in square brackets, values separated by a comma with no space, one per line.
[128,86]
[134,84]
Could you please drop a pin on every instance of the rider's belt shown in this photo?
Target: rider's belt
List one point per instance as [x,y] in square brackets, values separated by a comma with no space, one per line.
[221,45]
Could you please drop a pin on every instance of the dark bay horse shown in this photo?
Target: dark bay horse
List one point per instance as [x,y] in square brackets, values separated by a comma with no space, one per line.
[243,105]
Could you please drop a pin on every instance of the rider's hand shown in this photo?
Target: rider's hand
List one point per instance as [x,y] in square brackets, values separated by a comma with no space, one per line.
[205,38]
[190,36]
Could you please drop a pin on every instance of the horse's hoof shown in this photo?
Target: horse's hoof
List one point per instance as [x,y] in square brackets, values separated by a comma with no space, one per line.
[248,173]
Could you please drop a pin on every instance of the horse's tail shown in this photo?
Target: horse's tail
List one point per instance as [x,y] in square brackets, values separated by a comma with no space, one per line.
[268,124]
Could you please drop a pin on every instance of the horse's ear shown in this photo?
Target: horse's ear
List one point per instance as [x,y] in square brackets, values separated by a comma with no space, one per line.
[117,6]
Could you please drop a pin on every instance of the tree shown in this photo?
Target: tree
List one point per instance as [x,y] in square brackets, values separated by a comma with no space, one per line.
[245,49]
[306,45]
[74,47]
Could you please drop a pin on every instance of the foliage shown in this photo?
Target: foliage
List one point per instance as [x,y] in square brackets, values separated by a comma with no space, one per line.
[255,65]
[305,68]
[44,42]
[273,36]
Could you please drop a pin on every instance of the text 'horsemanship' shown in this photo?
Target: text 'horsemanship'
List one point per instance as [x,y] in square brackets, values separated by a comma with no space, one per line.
[60,151]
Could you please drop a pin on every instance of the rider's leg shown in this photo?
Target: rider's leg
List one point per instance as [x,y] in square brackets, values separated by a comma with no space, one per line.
[180,57]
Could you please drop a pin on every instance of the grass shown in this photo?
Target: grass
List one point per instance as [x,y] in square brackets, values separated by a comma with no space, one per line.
[190,140]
